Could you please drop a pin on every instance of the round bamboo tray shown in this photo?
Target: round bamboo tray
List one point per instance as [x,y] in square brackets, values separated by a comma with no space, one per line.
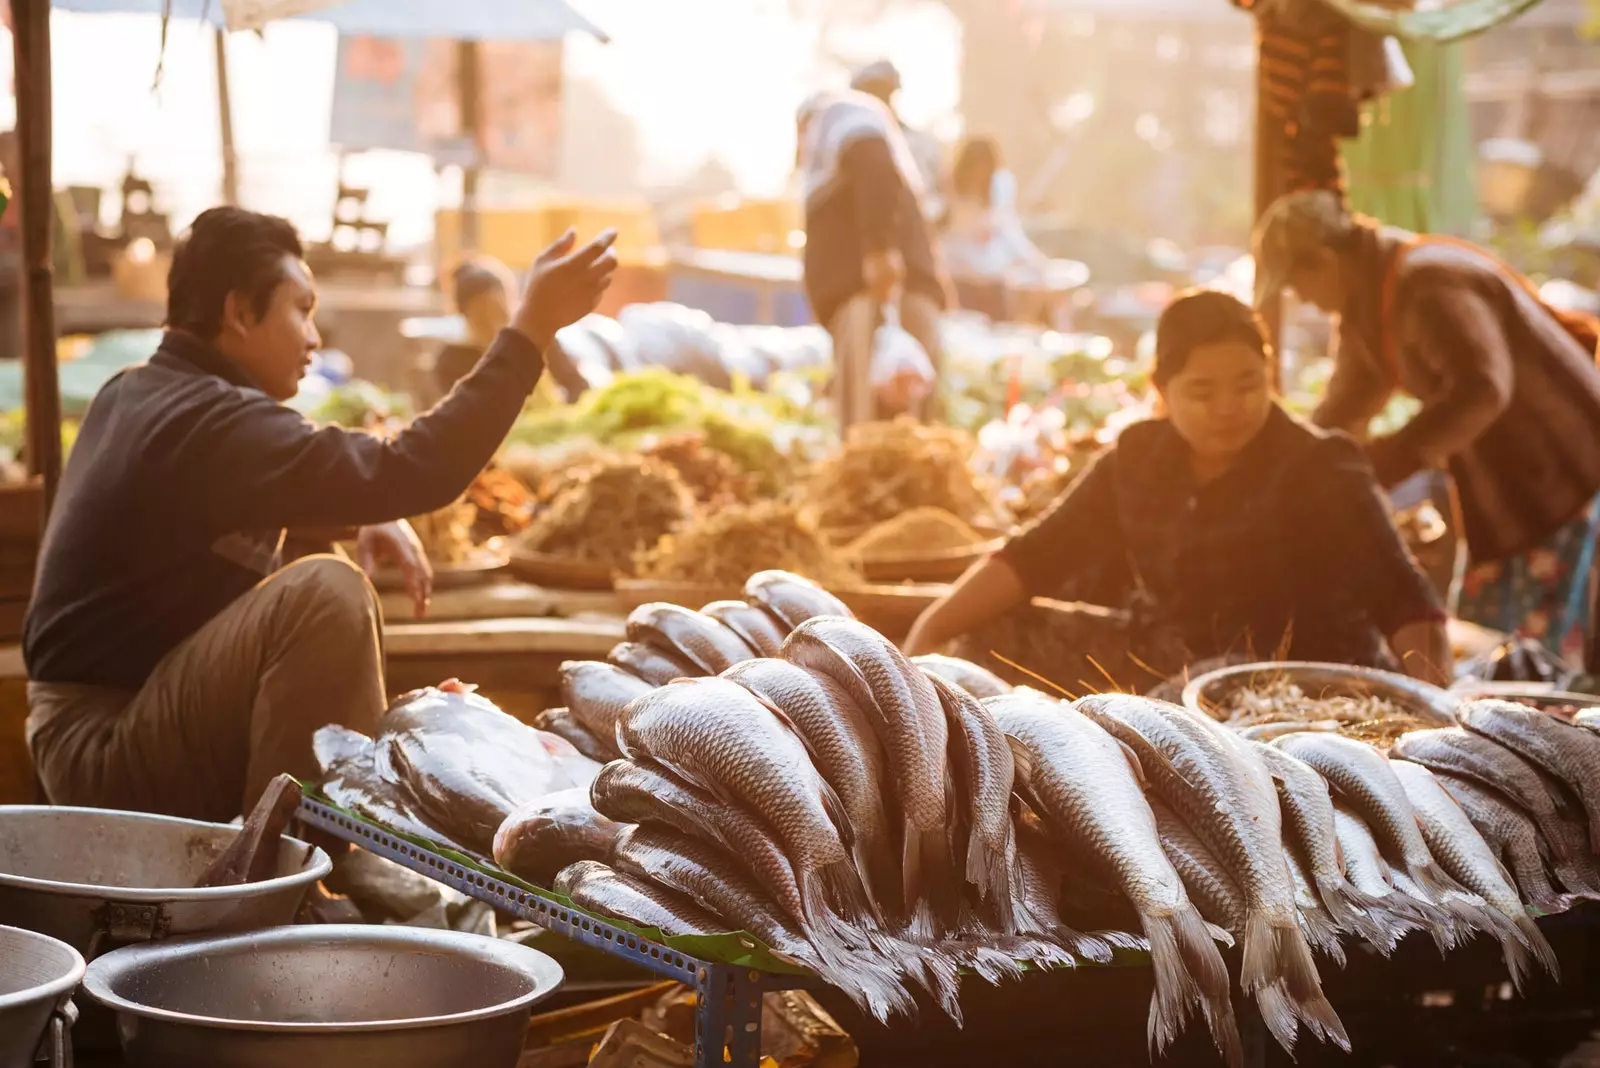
[558,572]
[944,565]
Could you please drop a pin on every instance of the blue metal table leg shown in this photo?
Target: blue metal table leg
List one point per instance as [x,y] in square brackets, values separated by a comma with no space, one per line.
[727,1017]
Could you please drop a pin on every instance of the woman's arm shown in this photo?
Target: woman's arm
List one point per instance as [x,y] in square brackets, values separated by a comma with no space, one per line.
[1423,649]
[1357,390]
[988,590]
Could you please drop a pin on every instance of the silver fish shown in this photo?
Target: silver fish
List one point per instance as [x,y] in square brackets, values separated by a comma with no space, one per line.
[637,793]
[1511,834]
[596,888]
[563,724]
[1210,886]
[704,873]
[1366,781]
[1458,752]
[1457,845]
[701,640]
[904,710]
[596,693]
[1365,867]
[1569,753]
[651,664]
[1036,891]
[1217,784]
[715,735]
[542,837]
[1309,835]
[1315,922]
[983,771]
[1587,718]
[980,682]
[755,625]
[791,599]
[844,748]
[1086,789]
[1266,732]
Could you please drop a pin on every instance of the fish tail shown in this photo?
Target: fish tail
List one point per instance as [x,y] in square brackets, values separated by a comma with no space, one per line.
[1091,948]
[991,963]
[1220,935]
[1372,919]
[1189,971]
[1123,940]
[1577,876]
[911,866]
[1278,960]
[939,974]
[837,886]
[1538,945]
[989,872]
[1323,934]
[872,985]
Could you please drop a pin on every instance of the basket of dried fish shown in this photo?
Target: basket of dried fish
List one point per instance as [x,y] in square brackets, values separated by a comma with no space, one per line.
[1265,700]
[922,545]
[887,469]
[724,547]
[599,521]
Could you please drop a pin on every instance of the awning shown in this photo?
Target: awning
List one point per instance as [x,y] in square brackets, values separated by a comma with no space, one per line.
[459,20]
[1439,22]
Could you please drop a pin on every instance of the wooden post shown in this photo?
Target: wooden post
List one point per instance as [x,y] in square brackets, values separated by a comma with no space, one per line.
[1268,178]
[469,88]
[230,161]
[30,20]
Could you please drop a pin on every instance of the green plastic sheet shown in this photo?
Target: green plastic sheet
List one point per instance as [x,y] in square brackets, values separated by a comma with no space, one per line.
[1412,165]
[1464,18]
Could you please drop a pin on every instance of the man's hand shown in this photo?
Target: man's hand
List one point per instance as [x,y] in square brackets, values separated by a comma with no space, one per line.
[883,272]
[397,543]
[564,286]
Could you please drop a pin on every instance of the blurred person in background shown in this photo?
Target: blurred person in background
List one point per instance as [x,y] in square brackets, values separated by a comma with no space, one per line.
[482,290]
[982,238]
[1233,528]
[881,79]
[1510,401]
[867,243]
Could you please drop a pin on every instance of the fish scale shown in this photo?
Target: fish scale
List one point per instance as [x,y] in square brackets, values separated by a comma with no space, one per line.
[1210,886]
[984,773]
[980,682]
[651,664]
[701,640]
[755,625]
[596,692]
[1511,833]
[595,887]
[791,599]
[1569,753]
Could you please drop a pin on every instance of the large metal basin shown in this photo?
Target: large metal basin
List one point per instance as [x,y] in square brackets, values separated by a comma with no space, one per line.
[37,977]
[1213,688]
[97,879]
[323,997]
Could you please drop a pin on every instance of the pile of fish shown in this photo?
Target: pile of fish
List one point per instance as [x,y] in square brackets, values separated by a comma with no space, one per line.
[775,767]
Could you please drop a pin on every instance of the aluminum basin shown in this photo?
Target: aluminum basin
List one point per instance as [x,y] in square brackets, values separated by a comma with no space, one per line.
[98,878]
[1326,680]
[315,996]
[37,977]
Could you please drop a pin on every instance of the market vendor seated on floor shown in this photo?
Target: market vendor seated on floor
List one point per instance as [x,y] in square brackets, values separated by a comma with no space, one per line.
[182,643]
[1241,530]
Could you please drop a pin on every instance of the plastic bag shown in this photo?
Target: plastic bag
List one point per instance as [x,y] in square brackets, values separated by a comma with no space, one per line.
[901,373]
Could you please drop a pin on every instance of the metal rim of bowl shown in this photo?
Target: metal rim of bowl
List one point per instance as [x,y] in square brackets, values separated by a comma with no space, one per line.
[55,989]
[318,864]
[544,974]
[1439,702]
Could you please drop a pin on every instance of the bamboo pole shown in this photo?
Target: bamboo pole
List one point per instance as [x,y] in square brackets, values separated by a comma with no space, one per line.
[469,88]
[30,21]
[230,159]
[1268,178]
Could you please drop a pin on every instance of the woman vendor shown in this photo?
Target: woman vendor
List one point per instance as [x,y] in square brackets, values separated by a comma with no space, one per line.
[1246,531]
[1510,400]
[867,244]
[482,290]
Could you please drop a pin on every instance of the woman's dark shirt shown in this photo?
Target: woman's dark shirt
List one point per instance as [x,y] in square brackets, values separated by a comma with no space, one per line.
[1290,552]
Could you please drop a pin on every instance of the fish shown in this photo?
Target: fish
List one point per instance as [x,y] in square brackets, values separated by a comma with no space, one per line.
[596,693]
[350,780]
[843,747]
[1210,887]
[1318,926]
[1587,718]
[756,626]
[1036,891]
[1310,840]
[1512,834]
[1365,868]
[980,682]
[904,710]
[628,792]
[655,666]
[1465,755]
[563,724]
[461,765]
[705,873]
[1568,753]
[791,599]
[597,888]
[1266,732]
[717,736]
[701,640]
[1086,789]
[544,836]
[1366,781]
[1218,786]
[983,772]
[1458,846]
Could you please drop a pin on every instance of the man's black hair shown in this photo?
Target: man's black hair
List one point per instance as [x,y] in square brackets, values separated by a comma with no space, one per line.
[227,250]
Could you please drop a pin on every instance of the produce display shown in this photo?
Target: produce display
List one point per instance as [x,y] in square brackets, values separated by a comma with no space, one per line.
[608,512]
[876,821]
[889,468]
[722,546]
[712,476]
[921,530]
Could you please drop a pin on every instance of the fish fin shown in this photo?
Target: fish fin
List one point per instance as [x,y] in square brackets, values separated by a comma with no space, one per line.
[1323,934]
[1134,763]
[871,985]
[1022,762]
[1538,945]
[839,885]
[989,871]
[989,963]
[1219,935]
[1277,958]
[1123,940]
[1091,948]
[1209,974]
[1277,1013]
[1176,990]
[1363,915]
[1042,952]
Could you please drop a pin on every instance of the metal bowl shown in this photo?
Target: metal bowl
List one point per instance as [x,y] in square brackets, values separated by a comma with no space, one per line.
[314,996]
[97,878]
[1539,695]
[37,977]
[1426,701]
